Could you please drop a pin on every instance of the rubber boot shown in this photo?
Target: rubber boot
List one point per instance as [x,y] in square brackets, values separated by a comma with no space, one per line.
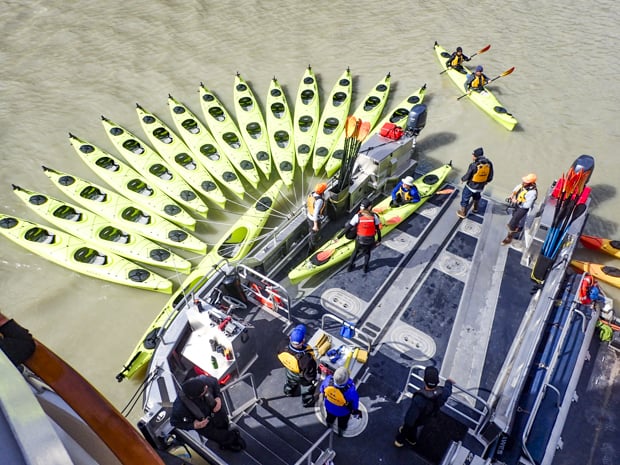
[475,206]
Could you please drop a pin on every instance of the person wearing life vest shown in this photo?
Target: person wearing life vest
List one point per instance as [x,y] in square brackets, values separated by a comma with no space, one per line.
[456,59]
[478,175]
[476,80]
[315,212]
[425,404]
[301,368]
[404,192]
[523,197]
[341,399]
[366,225]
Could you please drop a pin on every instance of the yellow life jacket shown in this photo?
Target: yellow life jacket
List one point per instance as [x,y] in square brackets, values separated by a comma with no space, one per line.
[523,191]
[334,394]
[457,60]
[310,201]
[478,82]
[482,173]
[291,360]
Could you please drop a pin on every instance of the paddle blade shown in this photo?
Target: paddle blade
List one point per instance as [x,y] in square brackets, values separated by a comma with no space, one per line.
[507,72]
[323,256]
[349,129]
[482,50]
[363,131]
[393,220]
[444,191]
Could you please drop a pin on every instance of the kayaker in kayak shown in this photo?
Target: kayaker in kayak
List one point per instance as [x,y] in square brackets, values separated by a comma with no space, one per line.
[315,208]
[367,225]
[523,197]
[456,59]
[404,192]
[478,175]
[477,80]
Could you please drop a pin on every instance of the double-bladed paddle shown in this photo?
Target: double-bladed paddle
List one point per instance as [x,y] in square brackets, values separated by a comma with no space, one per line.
[479,52]
[505,73]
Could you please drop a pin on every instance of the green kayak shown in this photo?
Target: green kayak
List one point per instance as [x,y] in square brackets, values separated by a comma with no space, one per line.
[280,129]
[369,110]
[120,209]
[79,255]
[172,148]
[153,167]
[400,114]
[252,125]
[96,229]
[227,134]
[204,147]
[234,245]
[130,183]
[339,249]
[306,117]
[485,100]
[333,119]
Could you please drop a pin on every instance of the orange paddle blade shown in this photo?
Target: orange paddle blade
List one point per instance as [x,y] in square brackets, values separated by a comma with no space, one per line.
[363,131]
[350,126]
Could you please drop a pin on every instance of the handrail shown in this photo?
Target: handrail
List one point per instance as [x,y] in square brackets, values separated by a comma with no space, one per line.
[282,294]
[249,403]
[327,455]
[484,414]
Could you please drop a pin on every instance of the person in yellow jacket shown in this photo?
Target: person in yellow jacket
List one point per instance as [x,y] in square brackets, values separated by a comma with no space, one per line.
[523,197]
[301,368]
[456,59]
[476,80]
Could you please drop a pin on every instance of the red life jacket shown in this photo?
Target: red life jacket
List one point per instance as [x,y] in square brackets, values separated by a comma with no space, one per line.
[366,226]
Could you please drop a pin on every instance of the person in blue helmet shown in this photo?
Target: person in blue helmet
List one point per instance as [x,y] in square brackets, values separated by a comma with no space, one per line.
[341,399]
[476,80]
[300,364]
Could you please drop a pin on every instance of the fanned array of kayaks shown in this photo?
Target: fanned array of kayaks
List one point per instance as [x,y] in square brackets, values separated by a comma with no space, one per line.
[252,125]
[340,248]
[98,230]
[333,119]
[115,207]
[280,129]
[369,110]
[306,117]
[78,255]
[485,100]
[204,147]
[234,246]
[160,183]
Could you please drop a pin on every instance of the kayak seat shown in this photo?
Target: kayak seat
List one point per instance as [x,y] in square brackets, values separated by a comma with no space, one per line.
[39,235]
[89,256]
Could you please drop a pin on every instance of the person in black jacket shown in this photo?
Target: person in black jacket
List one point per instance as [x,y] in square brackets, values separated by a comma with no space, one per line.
[478,175]
[199,407]
[367,225]
[456,60]
[301,368]
[425,404]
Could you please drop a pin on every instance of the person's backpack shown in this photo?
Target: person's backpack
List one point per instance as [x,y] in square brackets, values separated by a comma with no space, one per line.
[483,171]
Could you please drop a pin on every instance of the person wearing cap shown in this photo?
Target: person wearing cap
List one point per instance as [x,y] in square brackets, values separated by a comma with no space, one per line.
[301,368]
[404,192]
[479,174]
[425,404]
[199,407]
[315,210]
[340,398]
[366,225]
[523,197]
[476,80]
[456,59]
